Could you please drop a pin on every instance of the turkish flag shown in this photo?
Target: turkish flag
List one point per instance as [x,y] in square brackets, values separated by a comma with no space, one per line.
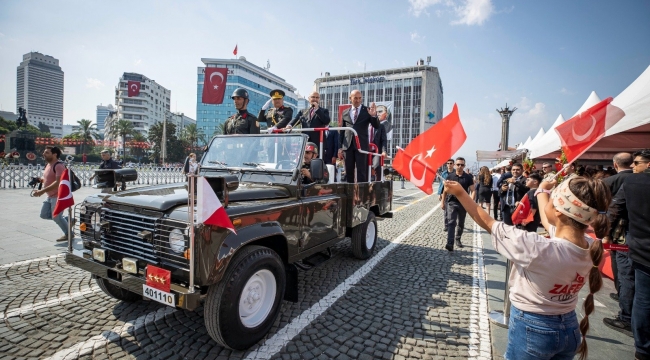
[214,85]
[429,150]
[158,278]
[134,88]
[234,52]
[582,131]
[522,212]
[209,209]
[64,199]
[342,108]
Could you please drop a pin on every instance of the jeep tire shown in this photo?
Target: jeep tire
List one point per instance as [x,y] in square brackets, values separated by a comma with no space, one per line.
[364,238]
[241,308]
[116,291]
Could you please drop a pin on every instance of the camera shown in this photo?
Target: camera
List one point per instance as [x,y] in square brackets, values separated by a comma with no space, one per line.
[35,181]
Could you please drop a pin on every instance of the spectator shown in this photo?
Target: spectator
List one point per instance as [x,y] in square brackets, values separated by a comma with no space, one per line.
[445,172]
[496,174]
[549,174]
[51,179]
[456,213]
[485,188]
[633,199]
[512,189]
[532,182]
[622,162]
[107,163]
[548,273]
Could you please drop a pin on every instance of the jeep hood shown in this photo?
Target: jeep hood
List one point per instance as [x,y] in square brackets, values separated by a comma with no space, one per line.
[165,197]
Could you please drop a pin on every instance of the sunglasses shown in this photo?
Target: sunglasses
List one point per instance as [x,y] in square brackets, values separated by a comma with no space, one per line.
[545,167]
[460,164]
[637,162]
[450,163]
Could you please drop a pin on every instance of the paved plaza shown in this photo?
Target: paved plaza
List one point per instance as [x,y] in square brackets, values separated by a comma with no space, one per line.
[411,300]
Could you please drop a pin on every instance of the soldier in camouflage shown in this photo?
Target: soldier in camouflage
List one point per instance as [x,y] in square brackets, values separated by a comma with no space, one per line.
[242,122]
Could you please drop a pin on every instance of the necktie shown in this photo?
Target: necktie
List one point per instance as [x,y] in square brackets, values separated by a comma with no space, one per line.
[356,112]
[311,113]
[371,133]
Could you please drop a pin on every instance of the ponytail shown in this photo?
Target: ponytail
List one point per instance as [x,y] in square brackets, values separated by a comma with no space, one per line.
[595,283]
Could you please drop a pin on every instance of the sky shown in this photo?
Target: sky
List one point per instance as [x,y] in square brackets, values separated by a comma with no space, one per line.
[544,57]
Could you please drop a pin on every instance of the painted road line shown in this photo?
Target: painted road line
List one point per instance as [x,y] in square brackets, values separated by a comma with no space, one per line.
[274,344]
[479,325]
[51,302]
[405,196]
[411,203]
[25,262]
[113,335]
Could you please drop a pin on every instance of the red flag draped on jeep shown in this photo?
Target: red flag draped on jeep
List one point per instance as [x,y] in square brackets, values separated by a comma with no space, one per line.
[429,150]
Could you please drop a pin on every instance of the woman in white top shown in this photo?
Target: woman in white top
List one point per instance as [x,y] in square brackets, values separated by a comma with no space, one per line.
[548,274]
[193,164]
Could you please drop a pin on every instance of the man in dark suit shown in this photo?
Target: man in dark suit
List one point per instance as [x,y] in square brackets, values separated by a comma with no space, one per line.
[622,162]
[379,138]
[359,118]
[331,147]
[312,117]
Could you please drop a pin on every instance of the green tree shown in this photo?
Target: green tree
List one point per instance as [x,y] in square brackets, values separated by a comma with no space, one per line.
[192,135]
[87,133]
[122,128]
[220,130]
[175,148]
[138,152]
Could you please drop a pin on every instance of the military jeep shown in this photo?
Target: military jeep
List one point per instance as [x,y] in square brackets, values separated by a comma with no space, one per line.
[145,242]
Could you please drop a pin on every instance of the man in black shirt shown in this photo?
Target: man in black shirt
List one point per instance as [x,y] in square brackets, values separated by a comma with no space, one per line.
[107,163]
[512,189]
[532,182]
[455,211]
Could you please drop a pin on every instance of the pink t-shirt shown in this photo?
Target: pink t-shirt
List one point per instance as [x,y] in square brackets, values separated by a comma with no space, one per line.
[49,177]
[547,274]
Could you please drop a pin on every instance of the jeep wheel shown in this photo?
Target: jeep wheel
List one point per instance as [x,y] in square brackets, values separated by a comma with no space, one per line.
[364,238]
[116,291]
[241,308]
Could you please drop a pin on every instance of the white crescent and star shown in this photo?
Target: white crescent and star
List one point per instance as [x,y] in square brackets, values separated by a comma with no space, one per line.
[66,183]
[219,75]
[430,152]
[582,137]
[417,182]
[134,87]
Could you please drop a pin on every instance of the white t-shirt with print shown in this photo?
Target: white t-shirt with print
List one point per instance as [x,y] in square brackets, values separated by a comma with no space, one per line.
[547,274]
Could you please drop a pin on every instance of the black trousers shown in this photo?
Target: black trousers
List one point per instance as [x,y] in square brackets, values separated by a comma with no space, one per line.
[495,207]
[615,270]
[353,159]
[456,214]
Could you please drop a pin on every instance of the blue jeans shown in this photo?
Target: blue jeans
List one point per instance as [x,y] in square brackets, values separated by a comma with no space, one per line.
[46,213]
[626,286]
[536,336]
[641,311]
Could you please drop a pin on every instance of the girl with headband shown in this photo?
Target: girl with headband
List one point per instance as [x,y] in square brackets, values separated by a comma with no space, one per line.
[548,274]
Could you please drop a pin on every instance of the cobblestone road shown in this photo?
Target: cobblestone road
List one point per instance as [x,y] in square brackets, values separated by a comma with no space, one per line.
[412,300]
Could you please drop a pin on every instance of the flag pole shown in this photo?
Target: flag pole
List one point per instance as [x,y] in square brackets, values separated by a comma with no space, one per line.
[70,218]
[190,212]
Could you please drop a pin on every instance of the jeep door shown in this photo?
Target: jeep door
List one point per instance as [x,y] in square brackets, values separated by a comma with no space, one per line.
[322,209]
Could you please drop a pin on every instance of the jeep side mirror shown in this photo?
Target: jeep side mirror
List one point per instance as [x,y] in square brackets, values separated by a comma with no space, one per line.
[316,169]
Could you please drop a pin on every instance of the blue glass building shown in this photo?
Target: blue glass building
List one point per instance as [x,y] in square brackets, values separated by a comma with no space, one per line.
[241,73]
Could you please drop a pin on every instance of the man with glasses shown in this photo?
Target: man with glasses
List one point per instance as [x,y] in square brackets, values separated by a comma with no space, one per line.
[547,168]
[445,172]
[454,210]
[512,190]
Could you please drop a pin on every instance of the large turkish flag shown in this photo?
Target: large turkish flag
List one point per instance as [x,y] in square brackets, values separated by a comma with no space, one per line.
[214,85]
[582,131]
[428,151]
[134,88]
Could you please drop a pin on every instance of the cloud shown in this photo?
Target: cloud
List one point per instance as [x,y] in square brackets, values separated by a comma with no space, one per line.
[94,83]
[416,38]
[474,12]
[137,62]
[564,91]
[418,7]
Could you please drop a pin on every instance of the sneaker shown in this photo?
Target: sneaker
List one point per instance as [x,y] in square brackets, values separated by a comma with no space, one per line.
[614,296]
[449,247]
[62,238]
[619,325]
[459,244]
[446,229]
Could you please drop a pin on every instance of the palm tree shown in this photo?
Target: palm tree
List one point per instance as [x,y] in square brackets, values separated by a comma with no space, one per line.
[122,128]
[87,132]
[220,130]
[192,134]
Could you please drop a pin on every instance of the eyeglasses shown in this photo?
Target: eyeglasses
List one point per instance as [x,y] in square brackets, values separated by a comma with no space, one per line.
[637,162]
[459,165]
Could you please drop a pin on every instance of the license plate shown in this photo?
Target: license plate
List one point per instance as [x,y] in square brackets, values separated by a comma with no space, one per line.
[157,295]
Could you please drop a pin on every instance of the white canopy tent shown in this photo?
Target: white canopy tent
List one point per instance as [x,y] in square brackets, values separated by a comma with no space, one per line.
[551,141]
[525,146]
[536,139]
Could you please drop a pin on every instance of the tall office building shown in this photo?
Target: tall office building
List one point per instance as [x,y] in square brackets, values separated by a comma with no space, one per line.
[413,95]
[102,113]
[39,89]
[180,120]
[144,110]
[258,81]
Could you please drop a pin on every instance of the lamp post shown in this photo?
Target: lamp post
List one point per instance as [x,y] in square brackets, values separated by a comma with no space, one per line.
[505,125]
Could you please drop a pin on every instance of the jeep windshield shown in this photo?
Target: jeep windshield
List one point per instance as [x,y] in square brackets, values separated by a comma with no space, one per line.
[266,152]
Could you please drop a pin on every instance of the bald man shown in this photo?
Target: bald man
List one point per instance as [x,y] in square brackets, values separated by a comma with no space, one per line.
[359,118]
[312,117]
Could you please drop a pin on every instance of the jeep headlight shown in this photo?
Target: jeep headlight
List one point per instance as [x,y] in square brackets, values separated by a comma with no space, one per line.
[177,241]
[94,221]
[82,209]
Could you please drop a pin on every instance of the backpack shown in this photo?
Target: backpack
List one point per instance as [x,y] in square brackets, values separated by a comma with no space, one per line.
[522,211]
[75,183]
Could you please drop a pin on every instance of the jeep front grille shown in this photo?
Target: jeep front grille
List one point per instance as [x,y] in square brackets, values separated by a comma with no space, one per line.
[122,236]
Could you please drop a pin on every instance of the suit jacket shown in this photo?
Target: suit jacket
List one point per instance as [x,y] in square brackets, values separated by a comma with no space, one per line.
[331,146]
[381,141]
[320,119]
[361,126]
[615,181]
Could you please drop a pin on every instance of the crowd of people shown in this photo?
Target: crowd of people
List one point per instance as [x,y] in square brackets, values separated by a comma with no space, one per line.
[550,269]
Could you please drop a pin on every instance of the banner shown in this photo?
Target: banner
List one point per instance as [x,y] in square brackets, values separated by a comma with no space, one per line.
[384,112]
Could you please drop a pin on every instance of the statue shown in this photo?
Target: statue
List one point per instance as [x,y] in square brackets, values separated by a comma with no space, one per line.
[22,118]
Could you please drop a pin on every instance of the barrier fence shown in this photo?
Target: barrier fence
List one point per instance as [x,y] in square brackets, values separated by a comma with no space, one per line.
[18,176]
